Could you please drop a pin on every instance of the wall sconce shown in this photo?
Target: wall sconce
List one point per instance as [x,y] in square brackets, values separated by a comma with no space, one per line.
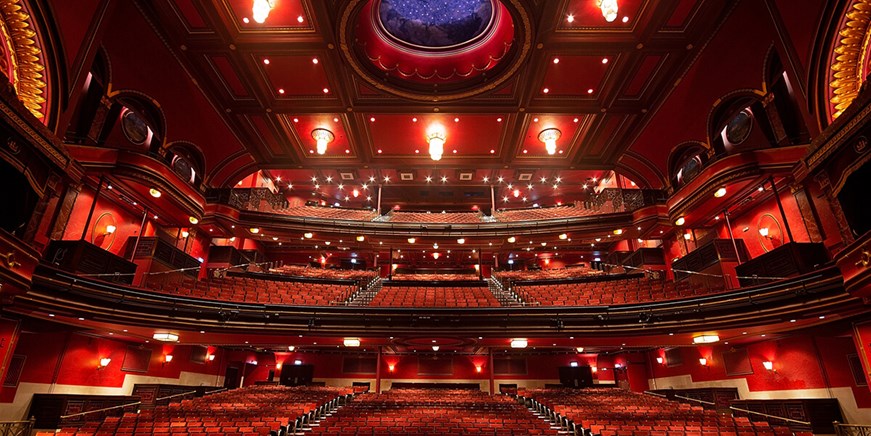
[511,239]
[185,234]
[680,221]
[478,368]
[687,236]
[210,357]
[573,364]
[391,367]
[660,360]
[764,232]
[618,365]
[703,361]
[322,138]
[549,137]
[768,365]
[260,10]
[297,362]
[167,359]
[579,349]
[435,347]
[435,256]
[411,240]
[104,362]
[436,136]
[110,229]
[278,365]
[594,369]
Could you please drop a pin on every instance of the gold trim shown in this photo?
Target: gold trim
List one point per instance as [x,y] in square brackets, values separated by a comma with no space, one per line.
[849,57]
[28,64]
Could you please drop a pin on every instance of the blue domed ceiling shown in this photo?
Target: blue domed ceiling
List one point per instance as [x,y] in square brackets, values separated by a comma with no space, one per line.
[435,24]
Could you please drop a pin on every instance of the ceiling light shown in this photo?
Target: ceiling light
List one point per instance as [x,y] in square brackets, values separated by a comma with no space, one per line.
[435,347]
[461,241]
[680,221]
[549,137]
[706,339]
[307,235]
[580,349]
[556,60]
[609,9]
[511,239]
[519,343]
[435,136]
[618,232]
[193,220]
[254,230]
[436,256]
[720,192]
[323,137]
[563,236]
[361,238]
[261,10]
[570,18]
[352,342]
[154,193]
[165,337]
[411,240]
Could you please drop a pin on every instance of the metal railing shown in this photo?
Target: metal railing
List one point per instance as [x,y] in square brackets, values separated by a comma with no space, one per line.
[170,397]
[655,394]
[16,428]
[105,409]
[851,429]
[805,423]
[695,400]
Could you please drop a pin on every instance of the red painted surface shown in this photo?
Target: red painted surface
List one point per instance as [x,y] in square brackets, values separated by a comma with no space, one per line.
[8,338]
[73,20]
[862,341]
[753,220]
[126,223]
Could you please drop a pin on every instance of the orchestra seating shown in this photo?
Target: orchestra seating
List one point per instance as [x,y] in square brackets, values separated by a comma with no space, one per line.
[431,296]
[427,217]
[547,274]
[617,412]
[251,290]
[543,213]
[609,292]
[361,275]
[329,213]
[438,277]
[433,411]
[249,411]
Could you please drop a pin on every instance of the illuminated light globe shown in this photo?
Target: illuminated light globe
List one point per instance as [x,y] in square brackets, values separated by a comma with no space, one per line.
[260,10]
[435,136]
[609,9]
[549,137]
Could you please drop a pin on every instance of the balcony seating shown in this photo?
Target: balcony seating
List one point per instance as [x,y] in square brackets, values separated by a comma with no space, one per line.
[250,411]
[610,292]
[250,290]
[547,274]
[360,275]
[329,213]
[439,277]
[433,411]
[439,218]
[543,213]
[419,296]
[617,412]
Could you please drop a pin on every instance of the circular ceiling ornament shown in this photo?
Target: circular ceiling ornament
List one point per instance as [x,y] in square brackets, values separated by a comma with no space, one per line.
[436,50]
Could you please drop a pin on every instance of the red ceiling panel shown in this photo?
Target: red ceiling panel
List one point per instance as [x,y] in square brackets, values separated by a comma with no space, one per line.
[228,76]
[642,76]
[190,14]
[568,126]
[266,135]
[681,13]
[471,135]
[574,75]
[585,14]
[604,135]
[286,14]
[294,75]
[303,125]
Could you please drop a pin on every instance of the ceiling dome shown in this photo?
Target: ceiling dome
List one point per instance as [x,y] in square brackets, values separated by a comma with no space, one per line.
[436,24]
[435,50]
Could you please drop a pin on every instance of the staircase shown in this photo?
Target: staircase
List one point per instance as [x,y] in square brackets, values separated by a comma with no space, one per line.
[504,297]
[365,295]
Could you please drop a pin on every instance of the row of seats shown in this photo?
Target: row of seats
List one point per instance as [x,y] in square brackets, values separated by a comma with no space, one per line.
[433,411]
[419,296]
[434,277]
[250,411]
[611,292]
[546,274]
[361,275]
[427,217]
[543,213]
[618,412]
[331,213]
[251,290]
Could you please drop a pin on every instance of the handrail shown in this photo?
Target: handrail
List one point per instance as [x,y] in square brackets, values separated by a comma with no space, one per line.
[101,410]
[694,399]
[770,416]
[175,395]
[214,392]
[851,429]
[655,394]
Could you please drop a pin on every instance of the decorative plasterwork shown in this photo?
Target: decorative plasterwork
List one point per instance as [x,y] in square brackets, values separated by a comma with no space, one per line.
[22,49]
[849,57]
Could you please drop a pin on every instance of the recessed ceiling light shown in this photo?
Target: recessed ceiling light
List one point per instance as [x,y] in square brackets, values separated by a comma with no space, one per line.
[326,90]
[556,60]
[570,18]
[604,60]
[590,91]
[372,119]
[245,20]
[315,60]
[545,90]
[499,120]
[625,19]
[281,90]
[266,61]
[300,19]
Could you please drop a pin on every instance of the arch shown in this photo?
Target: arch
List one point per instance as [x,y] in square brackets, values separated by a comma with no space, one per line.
[184,155]
[23,59]
[848,58]
[145,106]
[725,108]
[679,157]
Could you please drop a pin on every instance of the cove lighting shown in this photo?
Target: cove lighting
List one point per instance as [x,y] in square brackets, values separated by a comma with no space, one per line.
[519,343]
[165,337]
[706,339]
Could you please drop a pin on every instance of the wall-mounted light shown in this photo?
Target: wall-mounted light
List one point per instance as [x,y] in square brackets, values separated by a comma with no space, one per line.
[260,10]
[720,192]
[659,360]
[687,236]
[110,229]
[705,339]
[361,238]
[461,241]
[307,235]
[291,348]
[478,368]
[297,362]
[549,137]
[436,255]
[210,357]
[167,358]
[391,367]
[435,347]
[580,349]
[680,221]
[411,240]
[573,364]
[322,137]
[703,361]
[154,193]
[165,337]
[185,234]
[511,239]
[351,342]
[764,232]
[278,365]
[519,343]
[254,230]
[563,236]
[435,137]
[594,369]
[104,362]
[768,365]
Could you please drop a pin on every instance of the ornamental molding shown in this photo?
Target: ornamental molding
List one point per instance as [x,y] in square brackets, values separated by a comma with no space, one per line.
[849,57]
[23,48]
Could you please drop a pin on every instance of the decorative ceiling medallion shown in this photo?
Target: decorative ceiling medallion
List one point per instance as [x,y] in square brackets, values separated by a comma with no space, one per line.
[21,57]
[435,51]
[849,59]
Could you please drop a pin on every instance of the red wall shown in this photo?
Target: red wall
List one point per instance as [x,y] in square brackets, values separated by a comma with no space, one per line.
[752,217]
[126,224]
